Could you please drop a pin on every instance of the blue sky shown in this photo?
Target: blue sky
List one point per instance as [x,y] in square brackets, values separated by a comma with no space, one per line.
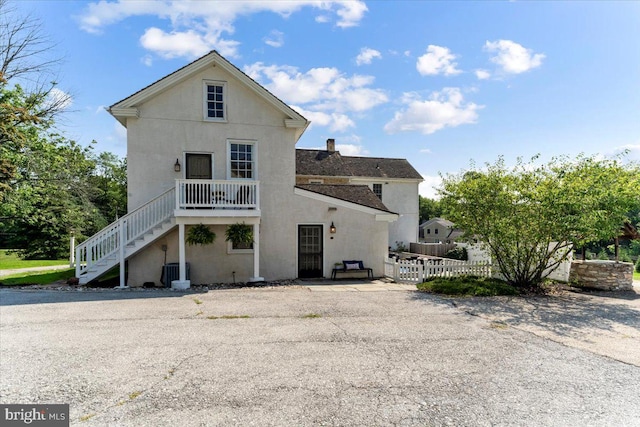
[438,83]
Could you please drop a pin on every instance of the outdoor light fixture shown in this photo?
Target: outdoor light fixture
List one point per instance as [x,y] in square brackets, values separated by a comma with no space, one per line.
[332,228]
[176,167]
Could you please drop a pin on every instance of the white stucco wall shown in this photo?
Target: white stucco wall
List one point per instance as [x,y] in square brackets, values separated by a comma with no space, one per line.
[401,197]
[172,123]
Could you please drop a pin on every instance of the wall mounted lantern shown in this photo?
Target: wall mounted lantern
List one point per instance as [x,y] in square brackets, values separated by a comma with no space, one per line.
[176,166]
[332,228]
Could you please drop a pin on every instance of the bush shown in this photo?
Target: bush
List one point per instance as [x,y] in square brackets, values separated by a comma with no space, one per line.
[468,286]
[638,266]
[458,253]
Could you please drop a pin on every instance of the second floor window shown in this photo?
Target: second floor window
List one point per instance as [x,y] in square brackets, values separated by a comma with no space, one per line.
[377,190]
[242,160]
[214,106]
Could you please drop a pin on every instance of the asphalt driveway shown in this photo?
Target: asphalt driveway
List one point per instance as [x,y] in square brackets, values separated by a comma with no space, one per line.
[294,357]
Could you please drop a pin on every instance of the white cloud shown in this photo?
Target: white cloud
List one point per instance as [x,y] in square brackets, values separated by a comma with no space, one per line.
[196,27]
[326,96]
[437,60]
[350,12]
[512,57]
[351,150]
[427,187]
[482,74]
[58,99]
[426,151]
[355,149]
[632,151]
[275,39]
[147,60]
[367,55]
[336,122]
[443,109]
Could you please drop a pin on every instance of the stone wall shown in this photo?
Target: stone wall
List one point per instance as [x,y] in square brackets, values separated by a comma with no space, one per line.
[602,275]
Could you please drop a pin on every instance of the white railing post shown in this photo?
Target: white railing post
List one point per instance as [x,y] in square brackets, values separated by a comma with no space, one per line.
[123,244]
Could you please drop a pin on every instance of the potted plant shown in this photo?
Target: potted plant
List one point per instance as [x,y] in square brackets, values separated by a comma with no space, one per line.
[200,235]
[240,234]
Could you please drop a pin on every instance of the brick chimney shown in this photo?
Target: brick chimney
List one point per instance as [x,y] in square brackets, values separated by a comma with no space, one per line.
[331,145]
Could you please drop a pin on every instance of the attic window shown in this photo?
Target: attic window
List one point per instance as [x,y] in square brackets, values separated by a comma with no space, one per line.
[214,101]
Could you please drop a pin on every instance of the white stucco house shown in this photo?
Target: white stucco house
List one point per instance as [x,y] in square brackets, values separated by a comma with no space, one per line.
[209,145]
[394,181]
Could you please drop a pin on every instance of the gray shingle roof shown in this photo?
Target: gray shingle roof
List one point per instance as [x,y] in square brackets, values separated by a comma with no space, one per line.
[358,194]
[326,163]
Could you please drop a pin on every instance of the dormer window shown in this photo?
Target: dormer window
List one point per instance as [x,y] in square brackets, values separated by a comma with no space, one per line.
[214,101]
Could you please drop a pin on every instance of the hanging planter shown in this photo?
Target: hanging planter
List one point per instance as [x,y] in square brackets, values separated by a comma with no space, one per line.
[239,234]
[200,235]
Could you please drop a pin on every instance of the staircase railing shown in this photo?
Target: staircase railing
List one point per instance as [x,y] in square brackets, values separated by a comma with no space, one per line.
[113,239]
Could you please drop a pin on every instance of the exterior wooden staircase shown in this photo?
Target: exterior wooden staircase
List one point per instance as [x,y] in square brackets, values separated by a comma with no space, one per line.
[119,240]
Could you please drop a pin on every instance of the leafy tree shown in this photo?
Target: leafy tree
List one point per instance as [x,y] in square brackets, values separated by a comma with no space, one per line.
[429,208]
[24,60]
[530,216]
[109,181]
[49,185]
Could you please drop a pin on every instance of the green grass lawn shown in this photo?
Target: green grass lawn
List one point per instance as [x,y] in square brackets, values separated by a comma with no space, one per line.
[11,261]
[636,275]
[467,286]
[37,278]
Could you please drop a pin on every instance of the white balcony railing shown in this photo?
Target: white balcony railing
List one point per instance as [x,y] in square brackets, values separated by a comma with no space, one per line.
[209,194]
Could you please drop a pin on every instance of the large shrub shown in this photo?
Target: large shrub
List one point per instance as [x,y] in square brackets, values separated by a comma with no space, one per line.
[458,252]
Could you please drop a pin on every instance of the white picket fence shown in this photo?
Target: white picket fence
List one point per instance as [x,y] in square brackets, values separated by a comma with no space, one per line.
[418,271]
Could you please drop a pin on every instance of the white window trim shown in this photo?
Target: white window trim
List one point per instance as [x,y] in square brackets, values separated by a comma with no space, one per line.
[254,152]
[206,118]
[232,251]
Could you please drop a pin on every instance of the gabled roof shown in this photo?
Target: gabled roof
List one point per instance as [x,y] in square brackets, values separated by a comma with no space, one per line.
[440,221]
[358,194]
[128,106]
[332,163]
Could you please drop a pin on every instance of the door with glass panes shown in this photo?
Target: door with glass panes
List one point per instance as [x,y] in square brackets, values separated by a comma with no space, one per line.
[310,251]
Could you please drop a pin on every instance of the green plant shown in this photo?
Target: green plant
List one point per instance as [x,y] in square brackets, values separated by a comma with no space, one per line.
[239,233]
[467,286]
[638,266]
[200,235]
[400,246]
[458,252]
[312,316]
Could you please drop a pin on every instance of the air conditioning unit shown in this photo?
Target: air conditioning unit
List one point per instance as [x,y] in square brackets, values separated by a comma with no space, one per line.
[171,272]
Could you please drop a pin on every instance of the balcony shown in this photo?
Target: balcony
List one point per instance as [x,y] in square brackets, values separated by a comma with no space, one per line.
[205,197]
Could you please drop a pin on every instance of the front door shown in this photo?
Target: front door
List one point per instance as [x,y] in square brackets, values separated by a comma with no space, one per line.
[310,251]
[199,166]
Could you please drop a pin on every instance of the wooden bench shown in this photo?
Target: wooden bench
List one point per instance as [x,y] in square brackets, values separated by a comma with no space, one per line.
[351,267]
